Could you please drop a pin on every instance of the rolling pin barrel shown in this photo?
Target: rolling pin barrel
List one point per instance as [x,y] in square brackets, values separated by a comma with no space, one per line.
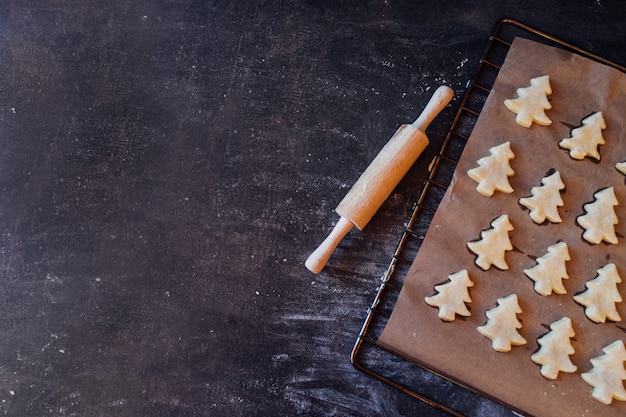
[382,176]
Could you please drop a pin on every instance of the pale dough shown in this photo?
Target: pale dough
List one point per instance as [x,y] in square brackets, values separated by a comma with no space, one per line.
[555,349]
[586,138]
[493,171]
[493,244]
[502,325]
[452,296]
[602,295]
[532,102]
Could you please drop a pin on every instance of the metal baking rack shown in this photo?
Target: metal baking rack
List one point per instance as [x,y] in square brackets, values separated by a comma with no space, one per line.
[400,371]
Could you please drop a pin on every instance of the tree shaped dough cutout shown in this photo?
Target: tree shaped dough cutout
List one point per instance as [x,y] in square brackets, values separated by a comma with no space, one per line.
[608,373]
[502,325]
[550,270]
[531,103]
[553,356]
[493,171]
[600,219]
[602,295]
[586,138]
[545,200]
[493,244]
[621,167]
[452,296]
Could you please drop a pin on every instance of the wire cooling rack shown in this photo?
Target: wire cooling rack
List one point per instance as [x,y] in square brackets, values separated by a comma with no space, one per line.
[392,367]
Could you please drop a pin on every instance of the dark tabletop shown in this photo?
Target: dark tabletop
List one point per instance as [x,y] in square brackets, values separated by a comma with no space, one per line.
[167,166]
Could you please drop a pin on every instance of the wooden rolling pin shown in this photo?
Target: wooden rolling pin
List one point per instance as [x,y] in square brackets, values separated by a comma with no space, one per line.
[380,178]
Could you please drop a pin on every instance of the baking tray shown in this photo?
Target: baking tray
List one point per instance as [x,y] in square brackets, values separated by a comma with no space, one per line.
[400,371]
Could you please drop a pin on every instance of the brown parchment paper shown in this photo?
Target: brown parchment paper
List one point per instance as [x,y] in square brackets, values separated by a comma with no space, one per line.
[580,87]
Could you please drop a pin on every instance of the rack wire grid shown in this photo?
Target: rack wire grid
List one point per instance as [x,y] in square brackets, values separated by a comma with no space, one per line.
[400,371]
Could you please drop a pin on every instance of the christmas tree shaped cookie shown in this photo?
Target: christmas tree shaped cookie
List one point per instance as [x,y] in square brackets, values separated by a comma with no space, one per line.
[600,219]
[531,103]
[502,324]
[550,270]
[601,295]
[586,138]
[452,296]
[607,374]
[493,244]
[545,200]
[493,171]
[621,167]
[553,356]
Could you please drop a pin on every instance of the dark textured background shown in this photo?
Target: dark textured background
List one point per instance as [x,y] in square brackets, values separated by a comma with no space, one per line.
[167,166]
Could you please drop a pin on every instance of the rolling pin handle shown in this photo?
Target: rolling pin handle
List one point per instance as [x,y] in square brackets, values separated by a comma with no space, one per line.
[317,260]
[437,102]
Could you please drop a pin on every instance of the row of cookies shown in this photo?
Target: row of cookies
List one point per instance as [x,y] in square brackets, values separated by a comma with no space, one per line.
[607,371]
